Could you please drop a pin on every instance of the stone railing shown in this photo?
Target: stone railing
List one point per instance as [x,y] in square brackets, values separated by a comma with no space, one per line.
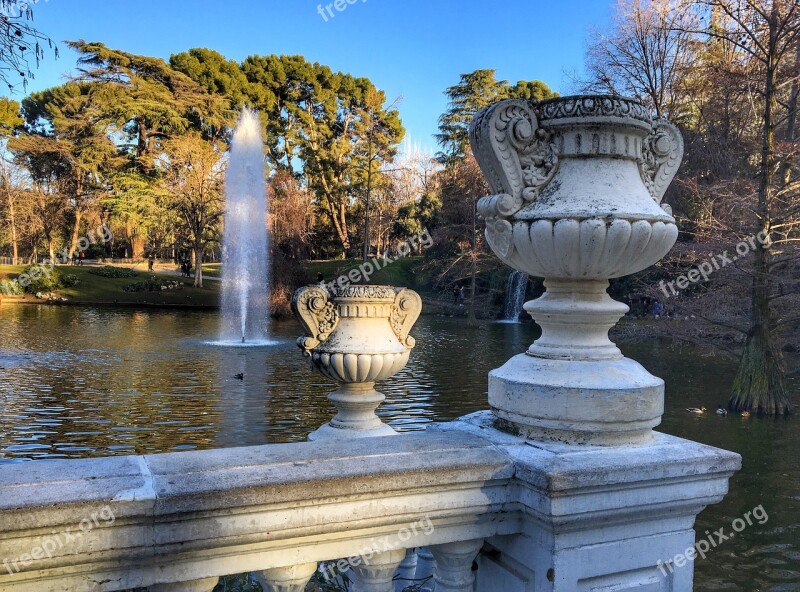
[562,486]
[544,516]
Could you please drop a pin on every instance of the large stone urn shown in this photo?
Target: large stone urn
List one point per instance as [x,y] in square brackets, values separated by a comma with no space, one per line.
[355,336]
[578,184]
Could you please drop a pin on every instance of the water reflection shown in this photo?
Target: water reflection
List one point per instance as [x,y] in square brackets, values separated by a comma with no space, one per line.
[81,382]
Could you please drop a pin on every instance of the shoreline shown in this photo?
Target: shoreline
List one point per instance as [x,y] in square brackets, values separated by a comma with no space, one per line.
[89,303]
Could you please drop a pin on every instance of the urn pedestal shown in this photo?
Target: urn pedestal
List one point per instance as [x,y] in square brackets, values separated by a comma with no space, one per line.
[356,336]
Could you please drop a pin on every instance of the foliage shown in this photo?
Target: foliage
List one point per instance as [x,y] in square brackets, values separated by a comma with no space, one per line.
[153,284]
[113,272]
[473,92]
[42,278]
[10,118]
[69,280]
[193,184]
[330,129]
[414,217]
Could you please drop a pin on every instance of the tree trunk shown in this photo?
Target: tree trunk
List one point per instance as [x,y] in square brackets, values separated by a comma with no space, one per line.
[472,321]
[759,385]
[198,265]
[338,216]
[12,216]
[12,220]
[76,229]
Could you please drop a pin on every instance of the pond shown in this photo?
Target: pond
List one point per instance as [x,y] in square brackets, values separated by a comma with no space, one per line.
[85,382]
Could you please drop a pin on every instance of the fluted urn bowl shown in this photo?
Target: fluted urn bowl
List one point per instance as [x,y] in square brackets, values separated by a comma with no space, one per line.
[356,333]
[579,183]
[363,348]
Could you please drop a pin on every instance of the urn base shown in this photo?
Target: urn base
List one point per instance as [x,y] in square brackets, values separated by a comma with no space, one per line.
[330,432]
[356,403]
[603,402]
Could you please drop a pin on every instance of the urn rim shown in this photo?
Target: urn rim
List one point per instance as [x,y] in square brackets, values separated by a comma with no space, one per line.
[593,109]
[364,293]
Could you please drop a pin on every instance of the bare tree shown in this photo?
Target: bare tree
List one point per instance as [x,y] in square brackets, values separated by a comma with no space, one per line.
[292,215]
[645,54]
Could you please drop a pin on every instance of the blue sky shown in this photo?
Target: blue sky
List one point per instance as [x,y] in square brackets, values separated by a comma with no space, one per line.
[409,48]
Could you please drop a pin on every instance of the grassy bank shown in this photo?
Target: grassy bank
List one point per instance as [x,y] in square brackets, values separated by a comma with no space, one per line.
[95,289]
[98,290]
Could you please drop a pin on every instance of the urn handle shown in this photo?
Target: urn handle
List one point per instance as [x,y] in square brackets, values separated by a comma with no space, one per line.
[405,312]
[515,153]
[314,310]
[662,152]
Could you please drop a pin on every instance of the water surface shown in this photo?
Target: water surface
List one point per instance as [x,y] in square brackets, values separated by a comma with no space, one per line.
[82,382]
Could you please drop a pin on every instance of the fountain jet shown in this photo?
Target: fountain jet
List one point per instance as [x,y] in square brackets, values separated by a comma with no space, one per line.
[245,244]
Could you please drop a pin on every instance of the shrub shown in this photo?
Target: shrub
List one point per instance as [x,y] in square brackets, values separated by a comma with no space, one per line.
[113,272]
[153,284]
[41,278]
[11,288]
[68,280]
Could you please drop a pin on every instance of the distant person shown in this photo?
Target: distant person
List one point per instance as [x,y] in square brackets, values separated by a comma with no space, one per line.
[462,293]
[456,292]
[658,310]
[81,255]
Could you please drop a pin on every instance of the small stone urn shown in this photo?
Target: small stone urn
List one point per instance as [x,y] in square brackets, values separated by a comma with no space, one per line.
[578,185]
[356,335]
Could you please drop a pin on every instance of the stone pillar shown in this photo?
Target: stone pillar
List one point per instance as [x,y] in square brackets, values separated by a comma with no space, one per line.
[355,336]
[454,563]
[406,572]
[292,578]
[425,563]
[607,502]
[376,573]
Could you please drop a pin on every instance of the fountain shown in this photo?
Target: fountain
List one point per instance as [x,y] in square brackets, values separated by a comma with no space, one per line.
[516,288]
[245,246]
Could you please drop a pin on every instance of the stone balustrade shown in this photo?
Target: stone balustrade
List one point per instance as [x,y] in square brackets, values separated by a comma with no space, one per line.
[195,516]
[179,521]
